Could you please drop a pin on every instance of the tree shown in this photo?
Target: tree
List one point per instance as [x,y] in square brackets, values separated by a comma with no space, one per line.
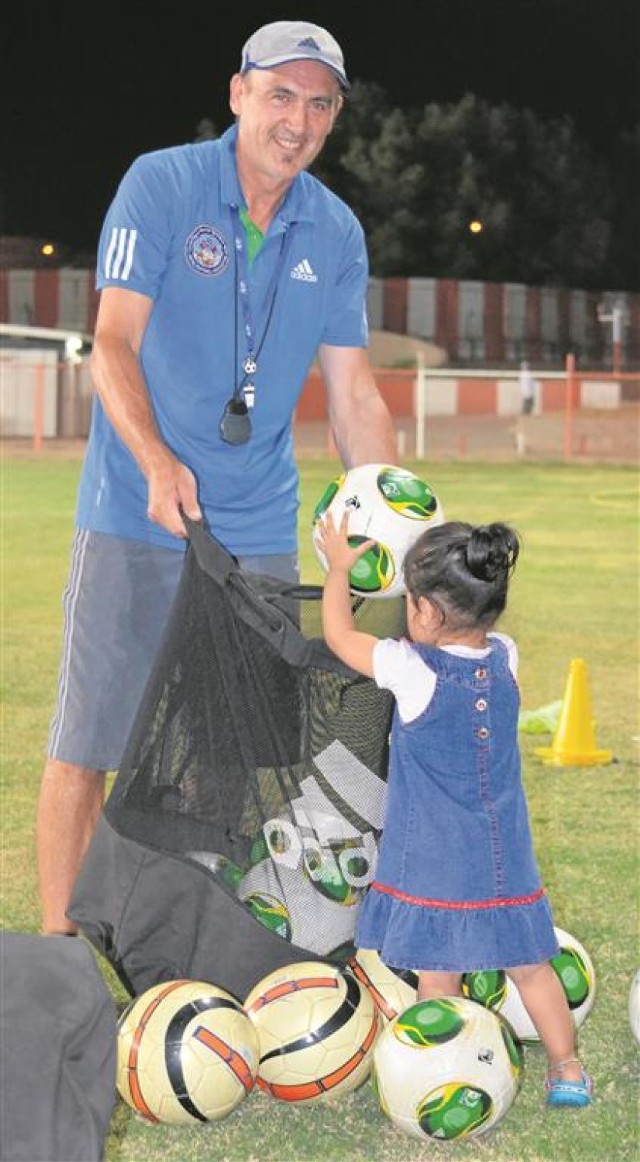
[418,178]
[625,214]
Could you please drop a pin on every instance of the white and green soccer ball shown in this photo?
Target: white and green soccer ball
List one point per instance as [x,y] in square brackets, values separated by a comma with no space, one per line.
[573,966]
[310,868]
[286,901]
[446,1069]
[387,504]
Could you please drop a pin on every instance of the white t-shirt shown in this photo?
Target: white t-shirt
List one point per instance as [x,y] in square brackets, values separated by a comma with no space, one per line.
[399,668]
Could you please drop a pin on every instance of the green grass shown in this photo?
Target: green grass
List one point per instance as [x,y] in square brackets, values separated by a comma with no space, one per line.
[575,594]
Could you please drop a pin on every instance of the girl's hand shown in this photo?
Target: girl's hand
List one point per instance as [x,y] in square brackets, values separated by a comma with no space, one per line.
[334,543]
[348,643]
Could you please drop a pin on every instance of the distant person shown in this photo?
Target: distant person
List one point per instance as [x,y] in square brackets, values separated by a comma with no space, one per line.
[225,269]
[527,388]
[456,888]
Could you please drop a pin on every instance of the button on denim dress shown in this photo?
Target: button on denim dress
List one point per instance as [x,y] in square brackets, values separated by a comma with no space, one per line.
[457,887]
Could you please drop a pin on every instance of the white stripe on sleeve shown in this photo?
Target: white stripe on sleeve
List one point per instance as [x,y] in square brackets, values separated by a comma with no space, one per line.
[126,270]
[120,253]
[110,252]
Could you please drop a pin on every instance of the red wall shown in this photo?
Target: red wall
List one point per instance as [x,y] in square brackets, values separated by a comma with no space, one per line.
[397,388]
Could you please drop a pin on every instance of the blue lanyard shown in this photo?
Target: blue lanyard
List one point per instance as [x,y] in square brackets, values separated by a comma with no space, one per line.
[245,386]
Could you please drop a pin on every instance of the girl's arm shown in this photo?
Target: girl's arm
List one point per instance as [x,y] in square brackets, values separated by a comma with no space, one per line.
[354,648]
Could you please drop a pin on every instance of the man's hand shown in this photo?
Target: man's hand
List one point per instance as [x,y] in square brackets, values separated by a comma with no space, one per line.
[172,488]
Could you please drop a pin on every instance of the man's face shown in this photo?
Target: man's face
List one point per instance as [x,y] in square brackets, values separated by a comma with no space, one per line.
[285,115]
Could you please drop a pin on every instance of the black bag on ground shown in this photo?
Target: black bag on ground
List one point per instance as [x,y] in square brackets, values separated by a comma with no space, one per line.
[241,831]
[57,1050]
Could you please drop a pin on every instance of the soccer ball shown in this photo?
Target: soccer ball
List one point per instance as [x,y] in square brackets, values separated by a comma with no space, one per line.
[271,912]
[336,858]
[310,869]
[497,991]
[446,1069]
[316,1029]
[228,871]
[387,504]
[186,1053]
[634,1006]
[288,902]
[393,989]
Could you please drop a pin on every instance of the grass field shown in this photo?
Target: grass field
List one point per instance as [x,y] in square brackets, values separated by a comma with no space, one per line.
[575,594]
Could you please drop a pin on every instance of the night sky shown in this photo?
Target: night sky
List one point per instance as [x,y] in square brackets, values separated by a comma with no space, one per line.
[83,96]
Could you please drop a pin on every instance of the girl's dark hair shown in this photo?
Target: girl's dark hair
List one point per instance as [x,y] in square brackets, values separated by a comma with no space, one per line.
[464,570]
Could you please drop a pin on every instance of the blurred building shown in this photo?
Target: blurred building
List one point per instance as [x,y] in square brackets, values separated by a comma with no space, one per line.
[475,323]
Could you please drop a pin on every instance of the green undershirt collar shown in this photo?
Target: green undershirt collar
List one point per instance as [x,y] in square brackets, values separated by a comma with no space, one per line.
[255,237]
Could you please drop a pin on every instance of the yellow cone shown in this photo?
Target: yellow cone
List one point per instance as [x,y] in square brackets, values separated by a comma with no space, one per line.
[574,743]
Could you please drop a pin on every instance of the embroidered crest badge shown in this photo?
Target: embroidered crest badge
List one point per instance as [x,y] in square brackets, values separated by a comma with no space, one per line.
[206,250]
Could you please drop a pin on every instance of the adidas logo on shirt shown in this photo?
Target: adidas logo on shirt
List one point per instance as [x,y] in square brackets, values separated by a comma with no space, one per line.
[304,271]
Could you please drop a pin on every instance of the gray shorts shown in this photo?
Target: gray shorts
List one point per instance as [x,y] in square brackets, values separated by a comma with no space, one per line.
[116,604]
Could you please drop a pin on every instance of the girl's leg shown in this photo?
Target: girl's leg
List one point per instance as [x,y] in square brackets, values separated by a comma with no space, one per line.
[439,984]
[545,1001]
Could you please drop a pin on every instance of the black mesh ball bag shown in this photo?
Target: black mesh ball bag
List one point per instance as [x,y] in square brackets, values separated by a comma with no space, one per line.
[241,831]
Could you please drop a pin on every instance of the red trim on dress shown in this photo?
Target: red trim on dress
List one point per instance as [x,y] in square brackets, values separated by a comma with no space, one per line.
[455,905]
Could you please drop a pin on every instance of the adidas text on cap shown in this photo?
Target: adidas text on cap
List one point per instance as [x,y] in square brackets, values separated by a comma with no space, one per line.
[293,40]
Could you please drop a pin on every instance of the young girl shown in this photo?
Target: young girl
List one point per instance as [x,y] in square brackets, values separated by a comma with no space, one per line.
[457,888]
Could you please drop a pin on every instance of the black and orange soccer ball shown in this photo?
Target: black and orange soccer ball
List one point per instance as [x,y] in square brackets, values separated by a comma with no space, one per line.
[187,1053]
[316,1027]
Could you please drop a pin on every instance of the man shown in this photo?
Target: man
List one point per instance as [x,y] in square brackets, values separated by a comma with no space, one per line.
[224,270]
[527,388]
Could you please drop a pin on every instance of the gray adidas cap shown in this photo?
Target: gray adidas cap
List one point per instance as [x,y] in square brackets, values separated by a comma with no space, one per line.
[293,40]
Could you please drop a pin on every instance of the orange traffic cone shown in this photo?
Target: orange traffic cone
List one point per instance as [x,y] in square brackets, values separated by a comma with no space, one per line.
[574,743]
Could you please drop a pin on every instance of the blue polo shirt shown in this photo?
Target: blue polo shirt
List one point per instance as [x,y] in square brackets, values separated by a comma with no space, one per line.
[170,234]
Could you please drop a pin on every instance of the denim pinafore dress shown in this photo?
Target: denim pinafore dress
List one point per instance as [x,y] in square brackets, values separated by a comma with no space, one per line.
[456,886]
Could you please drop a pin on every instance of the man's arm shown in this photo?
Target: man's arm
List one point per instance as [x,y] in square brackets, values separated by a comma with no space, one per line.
[119,381]
[362,426]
